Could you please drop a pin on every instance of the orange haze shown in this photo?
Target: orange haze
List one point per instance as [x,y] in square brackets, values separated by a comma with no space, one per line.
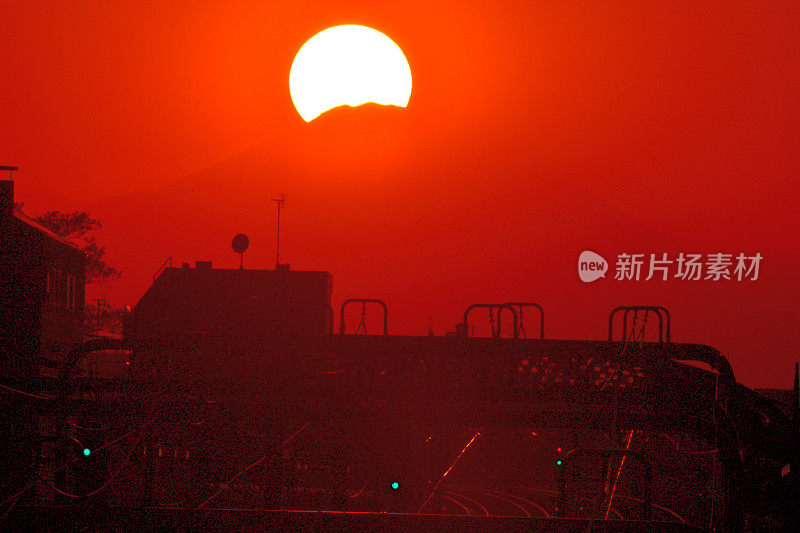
[535,130]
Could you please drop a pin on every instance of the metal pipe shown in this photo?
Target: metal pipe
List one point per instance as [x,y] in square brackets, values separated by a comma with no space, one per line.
[661,312]
[364,301]
[541,314]
[499,308]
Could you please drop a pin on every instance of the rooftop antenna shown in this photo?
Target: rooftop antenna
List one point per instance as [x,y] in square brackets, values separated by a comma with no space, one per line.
[240,244]
[280,203]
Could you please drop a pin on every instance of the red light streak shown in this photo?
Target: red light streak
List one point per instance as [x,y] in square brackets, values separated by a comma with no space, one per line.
[619,471]
[460,454]
[436,486]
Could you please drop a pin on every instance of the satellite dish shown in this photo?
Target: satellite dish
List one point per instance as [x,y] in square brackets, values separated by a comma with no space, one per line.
[240,244]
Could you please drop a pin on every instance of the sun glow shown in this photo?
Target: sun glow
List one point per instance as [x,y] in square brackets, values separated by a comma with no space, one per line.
[348,65]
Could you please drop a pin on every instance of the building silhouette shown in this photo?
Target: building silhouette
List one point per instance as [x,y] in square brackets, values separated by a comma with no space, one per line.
[42,291]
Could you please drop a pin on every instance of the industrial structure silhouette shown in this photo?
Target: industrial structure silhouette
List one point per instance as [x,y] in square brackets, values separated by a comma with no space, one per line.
[236,404]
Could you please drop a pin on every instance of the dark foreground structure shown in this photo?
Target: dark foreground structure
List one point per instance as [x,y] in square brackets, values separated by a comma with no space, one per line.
[236,406]
[42,278]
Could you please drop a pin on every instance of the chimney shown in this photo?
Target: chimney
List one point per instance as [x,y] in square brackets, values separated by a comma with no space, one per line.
[6,198]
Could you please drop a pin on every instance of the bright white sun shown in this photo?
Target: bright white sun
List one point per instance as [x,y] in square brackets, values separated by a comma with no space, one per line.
[348,65]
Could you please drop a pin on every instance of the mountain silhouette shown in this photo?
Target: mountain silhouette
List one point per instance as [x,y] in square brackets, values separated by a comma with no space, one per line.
[340,172]
[432,224]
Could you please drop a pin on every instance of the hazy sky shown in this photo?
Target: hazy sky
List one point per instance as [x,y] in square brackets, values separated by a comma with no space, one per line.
[534,131]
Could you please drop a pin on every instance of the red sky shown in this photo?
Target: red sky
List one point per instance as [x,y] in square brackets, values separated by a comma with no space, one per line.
[534,131]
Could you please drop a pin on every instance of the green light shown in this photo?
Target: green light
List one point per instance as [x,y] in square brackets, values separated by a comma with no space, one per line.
[87,452]
[395,485]
[558,462]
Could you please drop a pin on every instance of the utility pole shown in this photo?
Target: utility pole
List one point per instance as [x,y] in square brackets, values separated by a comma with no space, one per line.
[99,302]
[280,203]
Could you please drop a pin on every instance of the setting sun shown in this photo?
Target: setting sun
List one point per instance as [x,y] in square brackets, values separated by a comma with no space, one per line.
[348,65]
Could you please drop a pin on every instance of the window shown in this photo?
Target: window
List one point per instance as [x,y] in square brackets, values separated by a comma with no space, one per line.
[70,303]
[59,288]
[62,301]
[56,283]
[75,294]
[56,286]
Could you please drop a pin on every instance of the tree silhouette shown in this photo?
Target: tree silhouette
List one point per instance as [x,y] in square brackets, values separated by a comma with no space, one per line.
[79,227]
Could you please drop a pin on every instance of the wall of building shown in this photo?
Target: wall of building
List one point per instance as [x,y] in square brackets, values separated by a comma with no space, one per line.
[42,280]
